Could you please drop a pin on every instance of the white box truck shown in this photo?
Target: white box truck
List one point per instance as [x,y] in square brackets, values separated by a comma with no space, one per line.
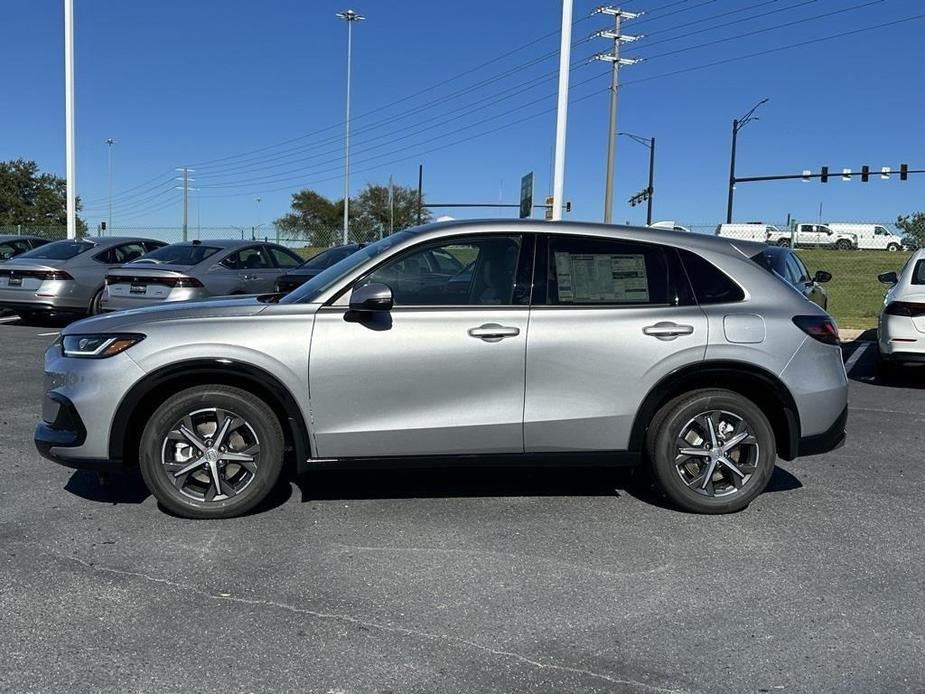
[870,236]
[754,231]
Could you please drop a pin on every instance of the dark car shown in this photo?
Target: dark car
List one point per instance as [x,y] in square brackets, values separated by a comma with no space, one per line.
[11,246]
[786,264]
[311,267]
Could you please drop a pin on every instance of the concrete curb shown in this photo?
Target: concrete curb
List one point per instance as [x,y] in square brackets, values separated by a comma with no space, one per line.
[852,335]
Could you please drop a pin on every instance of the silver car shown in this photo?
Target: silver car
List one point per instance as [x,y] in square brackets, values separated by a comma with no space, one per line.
[66,277]
[463,342]
[197,270]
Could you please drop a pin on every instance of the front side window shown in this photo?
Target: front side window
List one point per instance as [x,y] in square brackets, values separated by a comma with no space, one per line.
[284,258]
[796,273]
[881,231]
[478,272]
[584,271]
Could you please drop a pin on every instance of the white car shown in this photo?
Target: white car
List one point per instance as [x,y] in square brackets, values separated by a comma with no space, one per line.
[754,231]
[870,236]
[902,320]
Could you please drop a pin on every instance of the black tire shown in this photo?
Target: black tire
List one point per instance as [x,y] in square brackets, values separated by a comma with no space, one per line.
[844,245]
[784,243]
[190,497]
[723,495]
[893,247]
[94,308]
[886,368]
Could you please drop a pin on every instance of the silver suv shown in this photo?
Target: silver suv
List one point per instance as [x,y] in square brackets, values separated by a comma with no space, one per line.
[504,340]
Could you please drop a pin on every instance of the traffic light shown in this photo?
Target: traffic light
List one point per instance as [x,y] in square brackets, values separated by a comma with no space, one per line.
[903,172]
[865,173]
[824,175]
[102,226]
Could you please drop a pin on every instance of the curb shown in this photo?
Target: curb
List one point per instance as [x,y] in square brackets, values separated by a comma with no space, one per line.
[852,335]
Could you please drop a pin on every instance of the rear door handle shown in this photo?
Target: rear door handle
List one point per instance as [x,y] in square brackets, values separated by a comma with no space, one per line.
[667,330]
[492,332]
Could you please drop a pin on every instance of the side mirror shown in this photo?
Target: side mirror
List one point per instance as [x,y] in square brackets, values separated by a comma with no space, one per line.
[372,297]
[822,276]
[888,277]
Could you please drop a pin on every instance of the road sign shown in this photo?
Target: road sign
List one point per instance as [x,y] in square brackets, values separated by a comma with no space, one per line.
[526,196]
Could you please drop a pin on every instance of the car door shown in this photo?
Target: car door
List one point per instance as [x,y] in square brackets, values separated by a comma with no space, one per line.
[443,371]
[253,270]
[609,319]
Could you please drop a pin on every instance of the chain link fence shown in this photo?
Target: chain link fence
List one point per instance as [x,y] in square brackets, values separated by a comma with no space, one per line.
[855,296]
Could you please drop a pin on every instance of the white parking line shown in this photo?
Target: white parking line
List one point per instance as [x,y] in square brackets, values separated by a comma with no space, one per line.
[48,334]
[856,355]
[8,319]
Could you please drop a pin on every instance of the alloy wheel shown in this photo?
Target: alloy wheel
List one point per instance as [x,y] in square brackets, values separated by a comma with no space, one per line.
[211,454]
[717,453]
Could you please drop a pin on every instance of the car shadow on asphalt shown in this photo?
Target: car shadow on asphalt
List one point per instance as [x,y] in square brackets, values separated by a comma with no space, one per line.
[864,369]
[423,483]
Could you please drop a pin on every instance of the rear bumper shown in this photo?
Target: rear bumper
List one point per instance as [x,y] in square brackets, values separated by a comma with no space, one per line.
[828,440]
[46,307]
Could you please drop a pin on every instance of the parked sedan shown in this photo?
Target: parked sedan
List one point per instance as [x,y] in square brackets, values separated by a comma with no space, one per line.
[501,340]
[787,265]
[311,267]
[11,246]
[66,277]
[901,336]
[197,270]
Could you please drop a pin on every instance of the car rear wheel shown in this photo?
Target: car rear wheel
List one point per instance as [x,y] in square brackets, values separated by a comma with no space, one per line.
[95,306]
[784,243]
[211,452]
[711,451]
[843,245]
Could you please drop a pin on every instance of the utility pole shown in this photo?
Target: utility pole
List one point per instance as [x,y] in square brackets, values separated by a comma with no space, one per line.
[616,61]
[186,189]
[70,157]
[350,17]
[420,194]
[565,57]
[649,192]
[737,125]
[110,142]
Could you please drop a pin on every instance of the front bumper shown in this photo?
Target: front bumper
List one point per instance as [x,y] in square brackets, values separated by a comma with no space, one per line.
[62,429]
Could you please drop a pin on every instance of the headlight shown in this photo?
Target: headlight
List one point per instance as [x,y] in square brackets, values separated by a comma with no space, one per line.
[97,346]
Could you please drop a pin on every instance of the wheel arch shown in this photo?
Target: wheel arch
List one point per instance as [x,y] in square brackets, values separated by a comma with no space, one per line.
[145,396]
[760,386]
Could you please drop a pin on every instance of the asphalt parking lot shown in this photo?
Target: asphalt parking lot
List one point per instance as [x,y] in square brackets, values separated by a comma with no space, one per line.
[546,580]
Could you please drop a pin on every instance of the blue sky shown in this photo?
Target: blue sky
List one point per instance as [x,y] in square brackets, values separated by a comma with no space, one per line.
[215,85]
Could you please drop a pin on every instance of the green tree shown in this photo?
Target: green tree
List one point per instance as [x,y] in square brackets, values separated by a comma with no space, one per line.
[376,215]
[33,199]
[312,217]
[913,226]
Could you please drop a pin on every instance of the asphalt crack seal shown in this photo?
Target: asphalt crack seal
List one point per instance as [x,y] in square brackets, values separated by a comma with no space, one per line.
[360,623]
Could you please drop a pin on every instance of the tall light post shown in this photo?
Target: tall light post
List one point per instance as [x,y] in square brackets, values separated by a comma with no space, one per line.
[70,158]
[350,17]
[110,142]
[565,57]
[737,125]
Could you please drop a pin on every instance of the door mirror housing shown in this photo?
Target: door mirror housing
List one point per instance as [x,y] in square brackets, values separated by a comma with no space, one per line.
[371,298]
[888,277]
[822,276]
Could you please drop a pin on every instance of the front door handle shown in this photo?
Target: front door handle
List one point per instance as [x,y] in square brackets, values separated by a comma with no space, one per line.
[250,277]
[492,332]
[667,330]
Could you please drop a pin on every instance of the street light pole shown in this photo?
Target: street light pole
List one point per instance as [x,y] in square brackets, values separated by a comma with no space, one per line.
[648,142]
[737,125]
[350,17]
[109,141]
[565,56]
[70,160]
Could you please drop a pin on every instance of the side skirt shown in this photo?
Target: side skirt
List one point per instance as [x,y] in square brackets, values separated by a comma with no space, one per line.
[557,459]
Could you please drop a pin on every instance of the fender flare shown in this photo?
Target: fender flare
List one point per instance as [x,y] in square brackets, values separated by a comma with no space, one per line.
[199,371]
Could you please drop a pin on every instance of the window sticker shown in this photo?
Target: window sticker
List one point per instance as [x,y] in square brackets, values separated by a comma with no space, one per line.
[601,278]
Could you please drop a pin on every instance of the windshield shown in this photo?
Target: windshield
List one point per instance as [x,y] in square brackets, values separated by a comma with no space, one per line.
[178,254]
[310,291]
[329,257]
[59,250]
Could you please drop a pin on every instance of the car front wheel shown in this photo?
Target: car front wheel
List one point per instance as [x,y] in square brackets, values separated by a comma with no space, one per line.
[711,451]
[211,451]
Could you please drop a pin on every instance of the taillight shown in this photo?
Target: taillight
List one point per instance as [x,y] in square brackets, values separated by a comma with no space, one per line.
[821,328]
[181,282]
[187,282]
[37,274]
[56,275]
[905,308]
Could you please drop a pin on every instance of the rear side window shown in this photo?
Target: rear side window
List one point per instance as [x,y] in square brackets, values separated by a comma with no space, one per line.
[918,275]
[180,254]
[584,271]
[711,285]
[284,258]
